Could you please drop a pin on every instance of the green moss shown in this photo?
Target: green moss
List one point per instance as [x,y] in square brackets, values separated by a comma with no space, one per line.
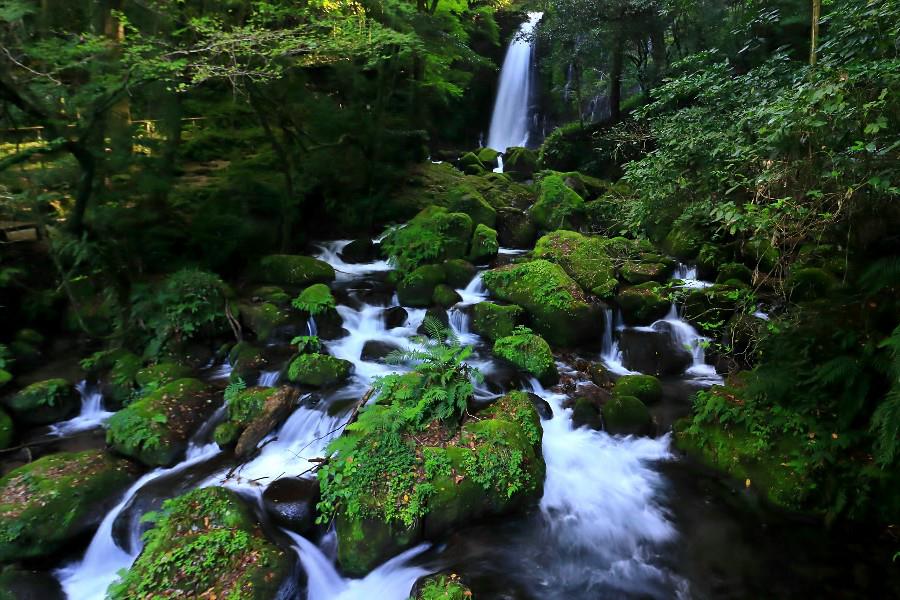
[7,430]
[586,414]
[246,405]
[530,353]
[558,307]
[315,299]
[293,270]
[226,434]
[471,202]
[709,309]
[44,402]
[645,388]
[520,163]
[459,272]
[155,429]
[583,258]
[683,241]
[488,156]
[246,361]
[160,374]
[734,271]
[417,288]
[49,502]
[558,206]
[445,296]
[319,370]
[626,415]
[642,304]
[484,245]
[809,283]
[494,321]
[266,318]
[501,192]
[273,294]
[442,587]
[642,272]
[205,543]
[432,236]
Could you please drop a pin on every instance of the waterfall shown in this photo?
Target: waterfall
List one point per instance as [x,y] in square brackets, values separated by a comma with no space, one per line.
[510,121]
[92,413]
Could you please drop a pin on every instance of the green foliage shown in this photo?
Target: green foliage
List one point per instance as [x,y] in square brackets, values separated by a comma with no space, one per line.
[307,343]
[432,236]
[529,352]
[443,587]
[315,300]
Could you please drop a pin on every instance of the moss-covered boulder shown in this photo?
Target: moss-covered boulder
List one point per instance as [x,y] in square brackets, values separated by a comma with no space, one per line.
[206,544]
[642,271]
[44,402]
[247,361]
[626,415]
[156,429]
[48,503]
[417,288]
[487,156]
[737,271]
[441,587]
[293,270]
[7,430]
[708,309]
[266,319]
[484,245]
[515,228]
[584,258]
[459,272]
[315,300]
[432,236]
[319,370]
[500,191]
[809,283]
[251,415]
[529,352]
[683,241]
[160,374]
[472,203]
[642,304]
[445,296]
[559,309]
[470,164]
[558,206]
[645,388]
[494,321]
[519,163]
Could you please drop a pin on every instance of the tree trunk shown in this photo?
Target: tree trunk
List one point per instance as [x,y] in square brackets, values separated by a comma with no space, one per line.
[615,77]
[657,51]
[814,37]
[85,186]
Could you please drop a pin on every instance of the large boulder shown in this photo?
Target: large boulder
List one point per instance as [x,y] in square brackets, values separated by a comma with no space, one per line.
[44,402]
[645,388]
[293,270]
[252,414]
[247,362]
[653,352]
[584,258]
[484,245]
[361,250]
[683,241]
[558,206]
[319,370]
[157,428]
[472,203]
[291,502]
[519,163]
[515,228]
[459,272]
[626,415]
[17,583]
[445,296]
[559,309]
[494,321]
[529,352]
[432,236]
[417,288]
[158,375]
[46,504]
[643,304]
[206,544]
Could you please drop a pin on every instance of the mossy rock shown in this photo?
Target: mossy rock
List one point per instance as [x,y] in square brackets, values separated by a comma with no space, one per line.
[488,157]
[417,288]
[809,283]
[226,434]
[293,270]
[458,272]
[246,361]
[470,164]
[626,415]
[642,304]
[584,258]
[445,296]
[529,352]
[432,236]
[157,428]
[494,321]
[50,502]
[206,543]
[559,309]
[520,163]
[473,204]
[160,374]
[364,543]
[585,185]
[484,245]
[585,413]
[7,430]
[708,309]
[642,272]
[515,228]
[119,384]
[266,319]
[558,206]
[319,370]
[271,293]
[316,299]
[17,583]
[441,587]
[683,241]
[734,271]
[44,402]
[645,388]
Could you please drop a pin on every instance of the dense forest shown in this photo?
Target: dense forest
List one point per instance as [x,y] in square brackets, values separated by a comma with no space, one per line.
[449,299]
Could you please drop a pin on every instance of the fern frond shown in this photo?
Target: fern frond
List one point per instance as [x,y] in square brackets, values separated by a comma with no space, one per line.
[881,274]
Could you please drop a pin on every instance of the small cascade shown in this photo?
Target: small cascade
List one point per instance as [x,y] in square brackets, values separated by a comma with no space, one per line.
[511,120]
[330,252]
[91,415]
[474,292]
[685,336]
[223,371]
[311,326]
[687,274]
[393,580]
[499,167]
[609,350]
[269,378]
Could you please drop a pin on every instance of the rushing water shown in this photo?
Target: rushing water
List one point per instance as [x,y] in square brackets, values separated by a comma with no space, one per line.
[91,415]
[511,119]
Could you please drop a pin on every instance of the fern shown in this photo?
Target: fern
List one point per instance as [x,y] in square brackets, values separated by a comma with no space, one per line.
[882,274]
[885,423]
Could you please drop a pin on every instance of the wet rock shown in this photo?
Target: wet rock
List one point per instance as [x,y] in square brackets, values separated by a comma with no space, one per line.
[319,370]
[653,352]
[494,321]
[626,415]
[291,502]
[278,405]
[459,272]
[583,257]
[520,163]
[376,350]
[515,228]
[445,296]
[268,319]
[359,251]
[247,361]
[44,402]
[330,325]
[645,388]
[531,353]
[57,498]
[207,526]
[293,270]
[155,430]
[558,206]
[17,583]
[417,288]
[484,245]
[586,413]
[543,408]
[395,316]
[599,375]
[643,304]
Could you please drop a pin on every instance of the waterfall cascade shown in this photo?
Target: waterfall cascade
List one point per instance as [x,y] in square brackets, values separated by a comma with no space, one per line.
[511,119]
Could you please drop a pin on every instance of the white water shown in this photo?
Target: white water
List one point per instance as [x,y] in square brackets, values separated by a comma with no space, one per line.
[688,276]
[390,581]
[610,353]
[330,252]
[269,378]
[92,413]
[510,120]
